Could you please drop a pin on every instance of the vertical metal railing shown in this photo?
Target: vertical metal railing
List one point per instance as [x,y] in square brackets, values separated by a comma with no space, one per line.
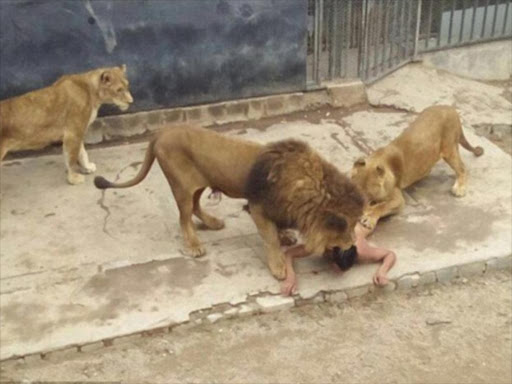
[462,22]
[370,38]
[389,38]
[317,39]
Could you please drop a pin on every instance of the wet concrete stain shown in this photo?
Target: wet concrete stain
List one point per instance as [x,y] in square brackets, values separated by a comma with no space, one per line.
[23,320]
[441,227]
[116,291]
[228,270]
[134,280]
[17,312]
[30,322]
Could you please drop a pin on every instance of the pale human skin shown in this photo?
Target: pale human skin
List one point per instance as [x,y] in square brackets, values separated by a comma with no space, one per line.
[365,254]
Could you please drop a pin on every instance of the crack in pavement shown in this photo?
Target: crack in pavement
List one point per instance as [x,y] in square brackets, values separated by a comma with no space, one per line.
[15,290]
[101,203]
[381,105]
[101,200]
[334,136]
[363,147]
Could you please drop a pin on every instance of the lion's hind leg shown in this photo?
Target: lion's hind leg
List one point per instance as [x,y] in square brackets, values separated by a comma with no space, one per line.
[193,245]
[182,187]
[269,233]
[209,220]
[452,157]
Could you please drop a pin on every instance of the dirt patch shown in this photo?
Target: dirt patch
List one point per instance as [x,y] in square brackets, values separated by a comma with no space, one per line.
[460,224]
[455,333]
[505,85]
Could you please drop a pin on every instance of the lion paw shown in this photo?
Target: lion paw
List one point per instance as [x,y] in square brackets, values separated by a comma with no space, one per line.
[75,178]
[368,222]
[459,190]
[89,168]
[278,269]
[214,224]
[287,238]
[194,251]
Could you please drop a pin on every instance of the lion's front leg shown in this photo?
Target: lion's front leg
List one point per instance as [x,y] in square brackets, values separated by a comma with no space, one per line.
[375,212]
[83,160]
[71,146]
[269,233]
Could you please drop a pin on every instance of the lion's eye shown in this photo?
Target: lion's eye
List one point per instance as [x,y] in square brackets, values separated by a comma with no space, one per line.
[119,90]
[373,202]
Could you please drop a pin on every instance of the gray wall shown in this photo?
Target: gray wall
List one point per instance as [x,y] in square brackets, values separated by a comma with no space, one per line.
[178,52]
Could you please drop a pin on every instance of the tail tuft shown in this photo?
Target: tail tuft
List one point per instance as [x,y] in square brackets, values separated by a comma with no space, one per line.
[479,151]
[101,183]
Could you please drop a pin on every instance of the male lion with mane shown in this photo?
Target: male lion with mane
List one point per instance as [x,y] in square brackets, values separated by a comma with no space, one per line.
[62,112]
[291,186]
[435,134]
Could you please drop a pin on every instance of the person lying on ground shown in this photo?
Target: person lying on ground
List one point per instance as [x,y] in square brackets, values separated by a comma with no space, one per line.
[364,253]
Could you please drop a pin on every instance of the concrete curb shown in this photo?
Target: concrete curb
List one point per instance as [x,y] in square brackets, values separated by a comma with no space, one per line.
[265,302]
[338,94]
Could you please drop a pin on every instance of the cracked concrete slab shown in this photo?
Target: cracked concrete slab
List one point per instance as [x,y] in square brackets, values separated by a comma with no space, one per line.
[79,265]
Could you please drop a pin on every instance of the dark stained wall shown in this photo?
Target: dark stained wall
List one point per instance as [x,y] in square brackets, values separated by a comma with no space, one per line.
[178,52]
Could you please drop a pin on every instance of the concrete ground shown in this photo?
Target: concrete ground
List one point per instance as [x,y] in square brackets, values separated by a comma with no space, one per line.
[450,334]
[82,267]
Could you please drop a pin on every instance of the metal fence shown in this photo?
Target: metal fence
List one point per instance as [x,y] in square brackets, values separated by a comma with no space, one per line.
[369,38]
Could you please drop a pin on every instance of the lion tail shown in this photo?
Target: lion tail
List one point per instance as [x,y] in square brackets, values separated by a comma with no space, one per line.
[477,151]
[101,183]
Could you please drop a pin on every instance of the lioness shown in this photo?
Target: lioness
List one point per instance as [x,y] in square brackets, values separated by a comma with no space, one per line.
[193,158]
[291,186]
[436,133]
[62,112]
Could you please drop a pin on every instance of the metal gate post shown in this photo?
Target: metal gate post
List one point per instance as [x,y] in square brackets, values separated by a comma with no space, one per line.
[317,43]
[417,33]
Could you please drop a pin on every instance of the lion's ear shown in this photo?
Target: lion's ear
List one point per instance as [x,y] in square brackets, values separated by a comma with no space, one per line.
[106,77]
[361,162]
[336,222]
[380,171]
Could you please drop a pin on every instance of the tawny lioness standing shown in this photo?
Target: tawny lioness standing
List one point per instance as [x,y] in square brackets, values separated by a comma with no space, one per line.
[62,112]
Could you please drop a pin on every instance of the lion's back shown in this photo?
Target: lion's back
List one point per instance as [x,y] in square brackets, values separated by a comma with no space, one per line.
[42,111]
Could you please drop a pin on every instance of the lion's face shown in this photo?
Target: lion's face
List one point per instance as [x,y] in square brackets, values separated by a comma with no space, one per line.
[374,178]
[113,87]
